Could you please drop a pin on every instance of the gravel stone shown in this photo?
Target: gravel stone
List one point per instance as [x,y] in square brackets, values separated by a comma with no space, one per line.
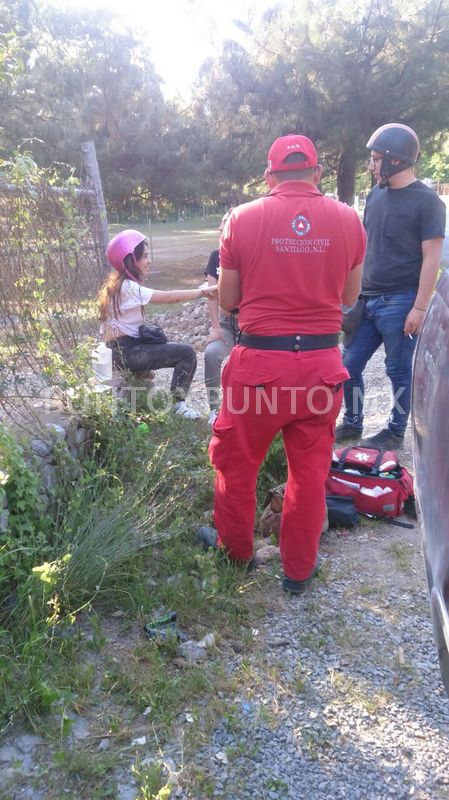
[40,448]
[9,753]
[27,742]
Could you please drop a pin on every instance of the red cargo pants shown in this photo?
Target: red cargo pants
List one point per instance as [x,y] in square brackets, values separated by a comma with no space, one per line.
[298,393]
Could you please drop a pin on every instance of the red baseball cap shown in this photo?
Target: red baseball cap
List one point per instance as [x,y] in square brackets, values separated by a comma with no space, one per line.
[292,143]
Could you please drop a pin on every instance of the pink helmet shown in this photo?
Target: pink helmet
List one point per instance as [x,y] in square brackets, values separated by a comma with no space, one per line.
[122,245]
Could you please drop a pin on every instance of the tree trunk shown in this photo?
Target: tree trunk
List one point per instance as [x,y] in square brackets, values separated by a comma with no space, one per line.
[346,174]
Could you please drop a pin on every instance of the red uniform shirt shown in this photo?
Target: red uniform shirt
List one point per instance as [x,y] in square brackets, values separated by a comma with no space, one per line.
[294,250]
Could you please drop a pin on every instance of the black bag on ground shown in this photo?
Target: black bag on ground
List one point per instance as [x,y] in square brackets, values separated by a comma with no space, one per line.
[152,334]
[341,511]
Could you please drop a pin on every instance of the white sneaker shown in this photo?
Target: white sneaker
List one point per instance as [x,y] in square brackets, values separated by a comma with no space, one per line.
[212,417]
[183,410]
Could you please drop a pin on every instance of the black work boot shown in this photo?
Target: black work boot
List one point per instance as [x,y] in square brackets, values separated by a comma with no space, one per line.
[298,587]
[346,433]
[384,440]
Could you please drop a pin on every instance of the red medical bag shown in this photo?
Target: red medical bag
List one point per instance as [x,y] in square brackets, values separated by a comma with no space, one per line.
[375,480]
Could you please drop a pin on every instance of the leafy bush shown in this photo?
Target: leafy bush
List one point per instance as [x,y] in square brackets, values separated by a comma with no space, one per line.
[28,525]
[274,468]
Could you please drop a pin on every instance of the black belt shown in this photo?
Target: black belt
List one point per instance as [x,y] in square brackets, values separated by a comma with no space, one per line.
[295,341]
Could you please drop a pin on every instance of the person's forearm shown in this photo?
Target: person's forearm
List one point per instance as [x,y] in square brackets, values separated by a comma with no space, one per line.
[213,313]
[427,279]
[176,295]
[430,264]
[229,291]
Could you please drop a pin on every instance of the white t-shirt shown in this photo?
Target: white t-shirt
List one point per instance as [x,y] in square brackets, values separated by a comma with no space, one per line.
[132,297]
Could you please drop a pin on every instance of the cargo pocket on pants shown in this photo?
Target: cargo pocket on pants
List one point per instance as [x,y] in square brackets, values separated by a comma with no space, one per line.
[322,398]
[221,448]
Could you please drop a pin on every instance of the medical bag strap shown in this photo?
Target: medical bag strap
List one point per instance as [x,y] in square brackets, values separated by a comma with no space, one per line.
[376,465]
[387,520]
[342,459]
[234,326]
[398,523]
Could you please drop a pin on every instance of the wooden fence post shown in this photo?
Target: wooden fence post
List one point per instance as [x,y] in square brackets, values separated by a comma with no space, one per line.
[93,175]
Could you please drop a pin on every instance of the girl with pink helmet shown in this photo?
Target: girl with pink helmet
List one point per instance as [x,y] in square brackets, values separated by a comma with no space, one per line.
[121,301]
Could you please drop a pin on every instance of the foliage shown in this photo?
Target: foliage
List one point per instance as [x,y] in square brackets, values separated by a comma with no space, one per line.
[153,785]
[27,540]
[434,164]
[273,470]
[334,71]
[28,523]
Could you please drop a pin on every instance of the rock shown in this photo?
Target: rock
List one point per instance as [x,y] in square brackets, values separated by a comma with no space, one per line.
[139,741]
[191,651]
[79,728]
[80,436]
[4,517]
[104,745]
[126,792]
[27,742]
[9,753]
[266,553]
[40,448]
[207,641]
[49,476]
[56,430]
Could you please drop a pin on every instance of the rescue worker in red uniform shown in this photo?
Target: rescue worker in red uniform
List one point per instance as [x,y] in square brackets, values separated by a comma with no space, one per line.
[288,261]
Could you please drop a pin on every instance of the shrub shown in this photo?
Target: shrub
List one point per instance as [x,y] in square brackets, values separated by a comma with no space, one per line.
[26,539]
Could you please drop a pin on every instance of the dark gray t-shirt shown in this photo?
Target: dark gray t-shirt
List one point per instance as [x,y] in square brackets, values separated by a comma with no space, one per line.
[397,221]
[213,265]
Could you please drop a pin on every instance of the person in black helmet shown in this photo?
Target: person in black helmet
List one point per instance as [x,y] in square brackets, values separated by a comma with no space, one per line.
[405,223]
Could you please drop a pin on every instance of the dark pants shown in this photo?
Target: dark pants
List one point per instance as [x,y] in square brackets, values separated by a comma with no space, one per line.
[138,356]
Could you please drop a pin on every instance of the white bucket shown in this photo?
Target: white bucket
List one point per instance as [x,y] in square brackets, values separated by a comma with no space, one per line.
[102,363]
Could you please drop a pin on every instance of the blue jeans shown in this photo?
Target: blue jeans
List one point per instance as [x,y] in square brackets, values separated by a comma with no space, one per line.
[383,322]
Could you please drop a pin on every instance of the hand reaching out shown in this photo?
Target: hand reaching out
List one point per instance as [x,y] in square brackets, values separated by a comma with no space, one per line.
[208,290]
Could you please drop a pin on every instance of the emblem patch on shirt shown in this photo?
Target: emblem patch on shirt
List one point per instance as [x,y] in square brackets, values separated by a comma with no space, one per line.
[300,225]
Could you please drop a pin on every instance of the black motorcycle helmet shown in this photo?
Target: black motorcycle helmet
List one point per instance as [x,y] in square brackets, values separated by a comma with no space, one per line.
[396,142]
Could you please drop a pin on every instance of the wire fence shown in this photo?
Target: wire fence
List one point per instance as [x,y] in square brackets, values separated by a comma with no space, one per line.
[51,266]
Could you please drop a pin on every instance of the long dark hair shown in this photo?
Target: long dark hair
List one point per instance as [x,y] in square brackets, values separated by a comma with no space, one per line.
[109,294]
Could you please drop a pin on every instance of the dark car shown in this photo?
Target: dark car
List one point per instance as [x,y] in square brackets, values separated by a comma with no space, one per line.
[430,415]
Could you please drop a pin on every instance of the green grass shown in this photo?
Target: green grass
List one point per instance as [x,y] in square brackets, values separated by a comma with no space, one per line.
[160,229]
